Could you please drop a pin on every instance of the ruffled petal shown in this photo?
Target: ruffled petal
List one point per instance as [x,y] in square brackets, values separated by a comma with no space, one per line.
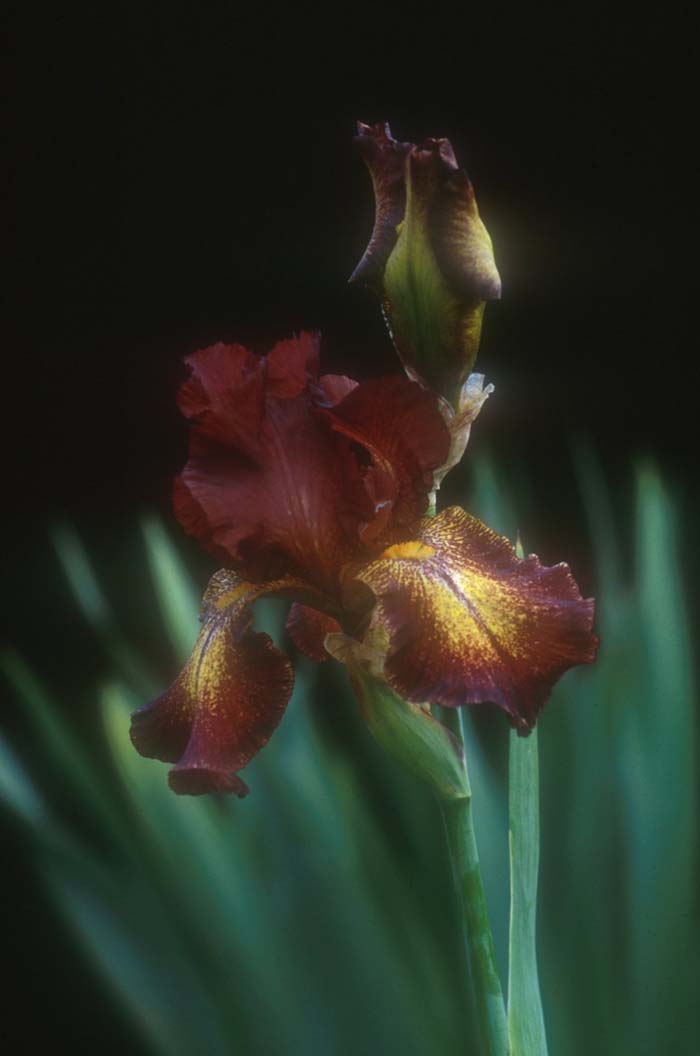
[268,487]
[225,395]
[385,157]
[308,629]
[290,365]
[303,474]
[227,701]
[469,621]
[400,424]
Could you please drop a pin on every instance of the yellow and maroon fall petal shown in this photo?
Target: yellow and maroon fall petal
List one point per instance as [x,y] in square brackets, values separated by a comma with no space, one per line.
[469,621]
[268,488]
[400,425]
[385,157]
[308,629]
[227,701]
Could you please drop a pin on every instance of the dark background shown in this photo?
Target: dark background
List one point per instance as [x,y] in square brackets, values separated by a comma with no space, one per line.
[180,179]
[175,189]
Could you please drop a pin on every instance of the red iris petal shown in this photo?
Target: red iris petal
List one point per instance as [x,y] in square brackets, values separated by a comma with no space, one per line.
[308,629]
[400,425]
[225,395]
[292,474]
[468,621]
[290,364]
[385,158]
[236,714]
[268,487]
[227,701]
[334,388]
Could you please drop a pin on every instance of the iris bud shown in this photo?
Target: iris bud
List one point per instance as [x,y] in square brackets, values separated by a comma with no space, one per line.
[430,258]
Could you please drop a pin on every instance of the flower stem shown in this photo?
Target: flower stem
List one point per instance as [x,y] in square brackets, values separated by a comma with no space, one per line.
[479,940]
[525,1018]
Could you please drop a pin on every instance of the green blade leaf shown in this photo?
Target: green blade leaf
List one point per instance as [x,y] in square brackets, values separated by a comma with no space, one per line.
[96,608]
[16,788]
[176,595]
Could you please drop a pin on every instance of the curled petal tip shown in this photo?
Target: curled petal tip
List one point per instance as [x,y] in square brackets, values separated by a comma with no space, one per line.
[200,781]
[357,274]
[380,132]
[438,149]
[384,157]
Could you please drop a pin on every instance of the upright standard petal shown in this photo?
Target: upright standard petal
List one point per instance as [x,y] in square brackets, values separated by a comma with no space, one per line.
[401,427]
[268,488]
[226,703]
[301,474]
[469,621]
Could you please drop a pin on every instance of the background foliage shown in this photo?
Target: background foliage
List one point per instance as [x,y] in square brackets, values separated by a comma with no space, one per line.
[318,915]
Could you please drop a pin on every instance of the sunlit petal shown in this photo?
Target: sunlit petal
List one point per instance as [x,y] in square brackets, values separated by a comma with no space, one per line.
[227,701]
[469,621]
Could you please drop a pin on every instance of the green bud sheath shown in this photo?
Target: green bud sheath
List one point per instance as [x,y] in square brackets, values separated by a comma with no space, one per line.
[440,272]
[412,736]
[430,258]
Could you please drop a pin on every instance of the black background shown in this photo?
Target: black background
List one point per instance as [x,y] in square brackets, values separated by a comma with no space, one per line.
[177,179]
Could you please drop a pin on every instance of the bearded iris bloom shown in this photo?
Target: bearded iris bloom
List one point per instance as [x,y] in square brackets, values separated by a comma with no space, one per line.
[315,488]
[322,490]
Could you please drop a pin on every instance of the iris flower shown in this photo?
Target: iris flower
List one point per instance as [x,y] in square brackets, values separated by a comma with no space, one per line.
[316,488]
[320,489]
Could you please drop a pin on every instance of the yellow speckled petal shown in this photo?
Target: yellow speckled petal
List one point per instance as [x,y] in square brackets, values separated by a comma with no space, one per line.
[228,699]
[472,622]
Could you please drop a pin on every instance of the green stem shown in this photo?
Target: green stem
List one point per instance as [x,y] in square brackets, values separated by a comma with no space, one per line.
[525,1019]
[479,940]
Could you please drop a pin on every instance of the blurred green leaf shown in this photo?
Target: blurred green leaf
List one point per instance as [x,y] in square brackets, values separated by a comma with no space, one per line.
[16,788]
[96,609]
[176,596]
